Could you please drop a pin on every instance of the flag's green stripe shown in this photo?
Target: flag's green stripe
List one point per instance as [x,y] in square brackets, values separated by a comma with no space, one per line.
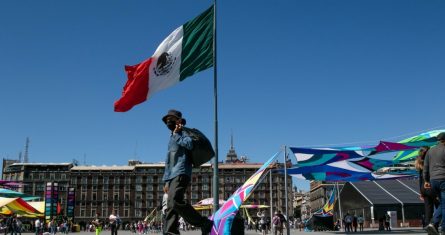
[197,44]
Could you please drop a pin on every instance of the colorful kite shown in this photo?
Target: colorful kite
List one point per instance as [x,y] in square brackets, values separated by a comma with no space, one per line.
[223,218]
[328,208]
[348,176]
[319,156]
[408,149]
[425,139]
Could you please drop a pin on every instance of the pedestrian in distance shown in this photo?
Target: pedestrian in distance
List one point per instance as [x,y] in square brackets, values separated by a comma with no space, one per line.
[97,224]
[177,175]
[387,221]
[360,221]
[164,209]
[37,226]
[113,223]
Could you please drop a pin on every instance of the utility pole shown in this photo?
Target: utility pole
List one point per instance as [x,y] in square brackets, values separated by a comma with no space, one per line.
[26,157]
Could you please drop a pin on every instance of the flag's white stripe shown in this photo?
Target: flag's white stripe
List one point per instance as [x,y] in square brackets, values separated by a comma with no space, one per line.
[173,46]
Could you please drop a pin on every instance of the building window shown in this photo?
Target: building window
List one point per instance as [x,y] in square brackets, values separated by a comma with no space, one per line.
[127,188]
[138,204]
[149,179]
[149,188]
[94,188]
[93,212]
[106,180]
[194,196]
[116,180]
[127,180]
[94,196]
[139,179]
[95,180]
[74,180]
[63,176]
[149,196]
[126,212]
[116,196]
[205,187]
[52,176]
[42,176]
[84,180]
[40,187]
[138,188]
[83,196]
[105,196]
[82,212]
[138,213]
[104,212]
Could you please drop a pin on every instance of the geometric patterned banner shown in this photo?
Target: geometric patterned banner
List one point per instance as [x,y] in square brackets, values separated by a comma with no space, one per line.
[71,200]
[51,199]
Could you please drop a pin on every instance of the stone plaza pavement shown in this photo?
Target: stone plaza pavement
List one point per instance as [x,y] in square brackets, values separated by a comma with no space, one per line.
[397,231]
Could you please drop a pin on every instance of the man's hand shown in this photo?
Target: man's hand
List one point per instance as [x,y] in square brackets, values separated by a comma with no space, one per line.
[427,185]
[421,198]
[178,128]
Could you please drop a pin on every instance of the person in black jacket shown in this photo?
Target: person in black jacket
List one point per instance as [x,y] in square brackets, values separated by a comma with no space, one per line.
[426,195]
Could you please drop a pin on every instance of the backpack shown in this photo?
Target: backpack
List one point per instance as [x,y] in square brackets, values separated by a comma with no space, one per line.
[202,150]
[276,220]
[348,219]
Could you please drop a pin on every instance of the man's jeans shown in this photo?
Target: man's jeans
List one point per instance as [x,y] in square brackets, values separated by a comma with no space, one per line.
[438,187]
[177,206]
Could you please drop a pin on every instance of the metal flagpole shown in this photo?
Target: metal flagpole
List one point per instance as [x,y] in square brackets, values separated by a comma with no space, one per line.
[285,190]
[339,202]
[270,194]
[215,89]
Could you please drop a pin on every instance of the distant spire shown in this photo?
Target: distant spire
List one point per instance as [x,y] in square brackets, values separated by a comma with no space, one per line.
[231,140]
[26,157]
[231,156]
[20,156]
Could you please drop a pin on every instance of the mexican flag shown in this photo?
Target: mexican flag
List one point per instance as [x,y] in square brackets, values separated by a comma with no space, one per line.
[186,51]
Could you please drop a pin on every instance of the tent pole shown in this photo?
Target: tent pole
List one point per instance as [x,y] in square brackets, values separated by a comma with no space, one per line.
[285,190]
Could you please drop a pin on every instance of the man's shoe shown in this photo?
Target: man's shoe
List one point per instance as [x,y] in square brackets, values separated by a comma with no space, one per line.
[207,227]
[431,230]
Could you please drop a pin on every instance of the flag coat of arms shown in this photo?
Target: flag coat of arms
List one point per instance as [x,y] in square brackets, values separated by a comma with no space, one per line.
[186,51]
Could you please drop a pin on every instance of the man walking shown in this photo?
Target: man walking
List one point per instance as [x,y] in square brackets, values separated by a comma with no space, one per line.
[434,175]
[113,223]
[177,175]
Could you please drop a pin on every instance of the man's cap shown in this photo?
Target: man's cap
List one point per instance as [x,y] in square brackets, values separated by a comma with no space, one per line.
[441,136]
[172,112]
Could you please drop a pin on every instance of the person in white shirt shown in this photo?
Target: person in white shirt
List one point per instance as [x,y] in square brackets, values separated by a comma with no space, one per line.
[113,224]
[37,225]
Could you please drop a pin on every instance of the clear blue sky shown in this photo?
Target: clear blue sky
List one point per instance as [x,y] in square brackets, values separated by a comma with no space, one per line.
[298,73]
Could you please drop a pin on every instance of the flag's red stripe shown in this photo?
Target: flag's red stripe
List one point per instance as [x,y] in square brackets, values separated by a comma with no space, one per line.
[136,89]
